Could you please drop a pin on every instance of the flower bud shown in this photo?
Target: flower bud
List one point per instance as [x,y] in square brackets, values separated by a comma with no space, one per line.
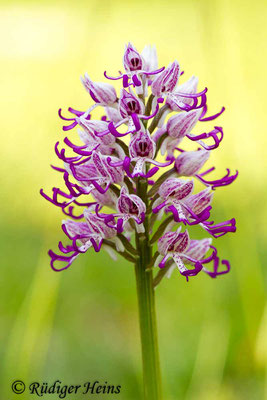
[102,93]
[189,163]
[132,60]
[166,81]
[173,242]
[181,124]
[198,202]
[150,58]
[175,188]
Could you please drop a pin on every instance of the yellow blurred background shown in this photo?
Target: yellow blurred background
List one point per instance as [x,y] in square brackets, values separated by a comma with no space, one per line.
[81,324]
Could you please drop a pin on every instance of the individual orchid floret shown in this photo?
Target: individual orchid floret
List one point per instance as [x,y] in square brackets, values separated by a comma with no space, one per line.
[137,70]
[102,93]
[190,209]
[130,104]
[167,80]
[173,245]
[90,139]
[196,210]
[173,191]
[197,250]
[178,103]
[142,149]
[188,163]
[129,207]
[89,234]
[95,173]
[132,111]
[132,60]
[182,124]
[178,126]
[90,136]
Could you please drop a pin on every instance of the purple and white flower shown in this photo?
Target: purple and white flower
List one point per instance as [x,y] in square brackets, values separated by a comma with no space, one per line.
[109,196]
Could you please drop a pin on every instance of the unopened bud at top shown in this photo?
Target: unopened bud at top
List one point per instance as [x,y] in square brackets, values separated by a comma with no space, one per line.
[150,58]
[189,163]
[132,60]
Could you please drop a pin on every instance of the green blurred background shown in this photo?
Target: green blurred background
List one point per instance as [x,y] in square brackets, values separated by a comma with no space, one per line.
[82,324]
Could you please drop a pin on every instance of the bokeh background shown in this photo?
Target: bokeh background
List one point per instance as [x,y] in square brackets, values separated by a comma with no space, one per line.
[82,324]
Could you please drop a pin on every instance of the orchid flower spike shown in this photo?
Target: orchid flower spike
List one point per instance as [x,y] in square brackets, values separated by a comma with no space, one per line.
[120,194]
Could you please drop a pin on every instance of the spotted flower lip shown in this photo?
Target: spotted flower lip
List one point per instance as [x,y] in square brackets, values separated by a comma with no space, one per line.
[167,80]
[116,184]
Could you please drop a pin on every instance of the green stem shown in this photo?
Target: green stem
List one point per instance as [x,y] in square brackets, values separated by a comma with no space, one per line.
[147,313]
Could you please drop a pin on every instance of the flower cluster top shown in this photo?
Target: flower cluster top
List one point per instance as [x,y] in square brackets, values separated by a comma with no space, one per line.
[116,164]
